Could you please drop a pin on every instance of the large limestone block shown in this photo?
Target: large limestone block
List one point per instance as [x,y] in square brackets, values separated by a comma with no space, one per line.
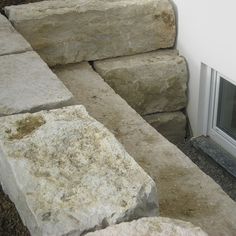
[27,84]
[171,125]
[67,174]
[150,82]
[152,226]
[68,31]
[10,40]
[185,192]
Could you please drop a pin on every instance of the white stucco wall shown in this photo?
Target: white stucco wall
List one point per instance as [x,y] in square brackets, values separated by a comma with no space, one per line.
[206,33]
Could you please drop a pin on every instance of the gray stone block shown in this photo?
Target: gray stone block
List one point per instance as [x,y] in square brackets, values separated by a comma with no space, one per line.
[67,174]
[152,226]
[27,84]
[150,82]
[68,31]
[10,40]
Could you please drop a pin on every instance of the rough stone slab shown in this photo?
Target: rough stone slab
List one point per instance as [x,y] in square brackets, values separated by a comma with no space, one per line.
[68,31]
[152,226]
[150,82]
[185,192]
[10,40]
[67,174]
[171,125]
[27,84]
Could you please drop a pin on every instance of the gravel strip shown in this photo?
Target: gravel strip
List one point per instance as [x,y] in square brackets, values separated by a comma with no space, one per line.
[211,168]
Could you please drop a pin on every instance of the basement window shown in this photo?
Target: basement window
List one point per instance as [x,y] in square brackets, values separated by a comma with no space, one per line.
[222,112]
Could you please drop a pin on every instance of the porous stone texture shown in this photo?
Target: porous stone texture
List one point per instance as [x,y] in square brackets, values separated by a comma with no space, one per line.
[27,84]
[150,82]
[67,174]
[68,31]
[152,226]
[10,40]
[172,125]
[185,192]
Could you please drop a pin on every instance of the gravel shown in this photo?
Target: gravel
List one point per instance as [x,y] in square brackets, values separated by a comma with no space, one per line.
[10,222]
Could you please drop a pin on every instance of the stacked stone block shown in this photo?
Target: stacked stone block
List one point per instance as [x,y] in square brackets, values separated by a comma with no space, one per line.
[70,31]
[185,192]
[154,84]
[65,32]
[26,82]
[65,171]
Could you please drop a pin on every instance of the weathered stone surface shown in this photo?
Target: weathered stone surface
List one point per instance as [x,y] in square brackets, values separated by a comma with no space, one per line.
[27,84]
[67,174]
[171,125]
[151,226]
[150,82]
[186,193]
[67,31]
[10,40]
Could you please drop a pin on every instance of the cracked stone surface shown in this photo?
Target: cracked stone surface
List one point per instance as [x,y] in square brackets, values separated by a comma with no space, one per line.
[68,31]
[149,82]
[10,40]
[152,226]
[27,84]
[67,174]
[185,192]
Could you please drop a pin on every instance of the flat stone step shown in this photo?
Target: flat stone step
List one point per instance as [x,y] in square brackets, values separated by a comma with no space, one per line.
[10,40]
[67,174]
[27,84]
[185,192]
[172,125]
[68,31]
[151,226]
[150,82]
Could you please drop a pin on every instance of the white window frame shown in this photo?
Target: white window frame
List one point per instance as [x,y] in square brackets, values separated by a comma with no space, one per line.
[208,109]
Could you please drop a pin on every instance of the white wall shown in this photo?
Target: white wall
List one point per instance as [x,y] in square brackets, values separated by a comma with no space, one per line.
[206,33]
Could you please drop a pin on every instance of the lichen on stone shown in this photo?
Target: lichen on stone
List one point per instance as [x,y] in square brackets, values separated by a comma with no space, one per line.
[168,19]
[26,126]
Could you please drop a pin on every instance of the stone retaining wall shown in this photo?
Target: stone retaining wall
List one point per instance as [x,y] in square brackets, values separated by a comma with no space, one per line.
[65,171]
[65,32]
[155,85]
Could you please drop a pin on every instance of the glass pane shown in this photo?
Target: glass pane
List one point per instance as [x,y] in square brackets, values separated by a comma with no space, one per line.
[226,116]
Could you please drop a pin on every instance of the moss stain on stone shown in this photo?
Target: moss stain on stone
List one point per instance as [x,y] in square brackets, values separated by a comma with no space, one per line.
[26,126]
[168,19]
